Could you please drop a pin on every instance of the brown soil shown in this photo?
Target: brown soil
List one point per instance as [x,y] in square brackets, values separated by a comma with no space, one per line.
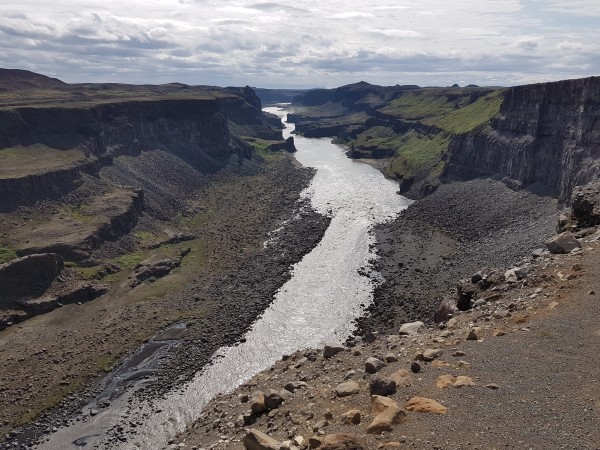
[536,387]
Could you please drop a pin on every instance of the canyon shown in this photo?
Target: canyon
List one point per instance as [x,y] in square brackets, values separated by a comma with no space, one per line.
[127,209]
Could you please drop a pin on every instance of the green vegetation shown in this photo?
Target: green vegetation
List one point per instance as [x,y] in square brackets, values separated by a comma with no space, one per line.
[260,146]
[19,161]
[379,137]
[105,363]
[79,213]
[130,260]
[425,103]
[471,116]
[6,255]
[417,151]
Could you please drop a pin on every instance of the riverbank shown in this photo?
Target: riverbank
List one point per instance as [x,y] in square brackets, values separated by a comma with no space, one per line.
[245,204]
[515,372]
[451,234]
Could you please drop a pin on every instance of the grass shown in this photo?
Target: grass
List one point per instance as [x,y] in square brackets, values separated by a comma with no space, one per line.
[18,162]
[417,151]
[106,362]
[79,213]
[260,146]
[130,260]
[50,402]
[472,116]
[6,255]
[379,137]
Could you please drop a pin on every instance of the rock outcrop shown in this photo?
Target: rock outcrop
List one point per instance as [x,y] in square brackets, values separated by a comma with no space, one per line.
[547,137]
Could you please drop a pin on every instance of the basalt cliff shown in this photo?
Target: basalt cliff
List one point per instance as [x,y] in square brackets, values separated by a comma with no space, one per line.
[544,137]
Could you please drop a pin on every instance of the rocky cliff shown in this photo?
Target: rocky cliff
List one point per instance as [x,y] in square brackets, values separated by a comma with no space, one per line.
[546,136]
[196,130]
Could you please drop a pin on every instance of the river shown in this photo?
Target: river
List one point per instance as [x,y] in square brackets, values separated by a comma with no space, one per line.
[316,306]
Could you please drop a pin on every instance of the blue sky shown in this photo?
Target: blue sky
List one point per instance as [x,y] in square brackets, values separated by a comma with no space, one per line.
[303,44]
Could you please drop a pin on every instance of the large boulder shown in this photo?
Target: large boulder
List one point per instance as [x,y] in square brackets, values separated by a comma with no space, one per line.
[386,420]
[257,440]
[562,243]
[411,328]
[342,441]
[585,203]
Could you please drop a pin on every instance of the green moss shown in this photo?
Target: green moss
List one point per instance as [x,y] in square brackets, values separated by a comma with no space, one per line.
[105,363]
[417,151]
[260,146]
[79,213]
[130,260]
[6,255]
[470,117]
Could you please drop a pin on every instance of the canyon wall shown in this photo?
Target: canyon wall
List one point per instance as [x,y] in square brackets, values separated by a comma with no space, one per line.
[547,136]
[198,131]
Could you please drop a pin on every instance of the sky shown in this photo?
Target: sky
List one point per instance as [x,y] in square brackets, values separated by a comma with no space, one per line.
[301,44]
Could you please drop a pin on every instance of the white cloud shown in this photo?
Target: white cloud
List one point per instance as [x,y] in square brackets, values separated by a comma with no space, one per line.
[285,43]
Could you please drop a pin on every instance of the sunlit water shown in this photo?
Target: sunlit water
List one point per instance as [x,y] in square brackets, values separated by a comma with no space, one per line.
[316,306]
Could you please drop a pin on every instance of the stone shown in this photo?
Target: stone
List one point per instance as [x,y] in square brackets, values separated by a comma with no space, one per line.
[301,416]
[257,402]
[411,328]
[374,365]
[346,389]
[415,367]
[462,381]
[293,386]
[342,441]
[351,417]
[331,350]
[390,358]
[257,440]
[425,405]
[443,381]
[492,386]
[401,377]
[440,364]
[320,425]
[431,353]
[380,403]
[273,399]
[385,420]
[472,336]
[585,202]
[382,386]
[498,332]
[515,274]
[389,445]
[562,243]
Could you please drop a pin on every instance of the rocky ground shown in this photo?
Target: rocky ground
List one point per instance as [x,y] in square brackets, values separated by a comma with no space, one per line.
[462,227]
[516,371]
[49,359]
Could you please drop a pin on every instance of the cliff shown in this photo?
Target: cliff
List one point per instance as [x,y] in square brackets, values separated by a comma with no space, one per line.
[544,137]
[545,134]
[198,131]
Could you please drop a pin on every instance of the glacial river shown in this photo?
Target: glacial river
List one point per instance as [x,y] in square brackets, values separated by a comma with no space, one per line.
[316,306]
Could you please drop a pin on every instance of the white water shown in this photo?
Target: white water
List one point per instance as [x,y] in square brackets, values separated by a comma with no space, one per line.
[316,306]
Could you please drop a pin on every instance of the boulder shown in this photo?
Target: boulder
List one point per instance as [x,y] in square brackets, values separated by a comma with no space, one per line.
[374,365]
[585,202]
[425,405]
[257,440]
[385,420]
[515,274]
[443,381]
[401,377]
[273,399]
[463,381]
[431,353]
[351,417]
[562,243]
[342,441]
[293,386]
[380,404]
[411,328]
[257,402]
[346,389]
[331,350]
[382,386]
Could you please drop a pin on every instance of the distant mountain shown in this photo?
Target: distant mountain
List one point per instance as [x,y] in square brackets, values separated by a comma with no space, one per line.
[274,96]
[13,79]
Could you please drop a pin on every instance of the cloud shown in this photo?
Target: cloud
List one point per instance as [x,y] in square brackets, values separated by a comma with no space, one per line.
[284,43]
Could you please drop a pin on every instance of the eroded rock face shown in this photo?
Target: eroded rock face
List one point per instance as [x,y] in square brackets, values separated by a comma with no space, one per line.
[546,135]
[28,277]
[586,204]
